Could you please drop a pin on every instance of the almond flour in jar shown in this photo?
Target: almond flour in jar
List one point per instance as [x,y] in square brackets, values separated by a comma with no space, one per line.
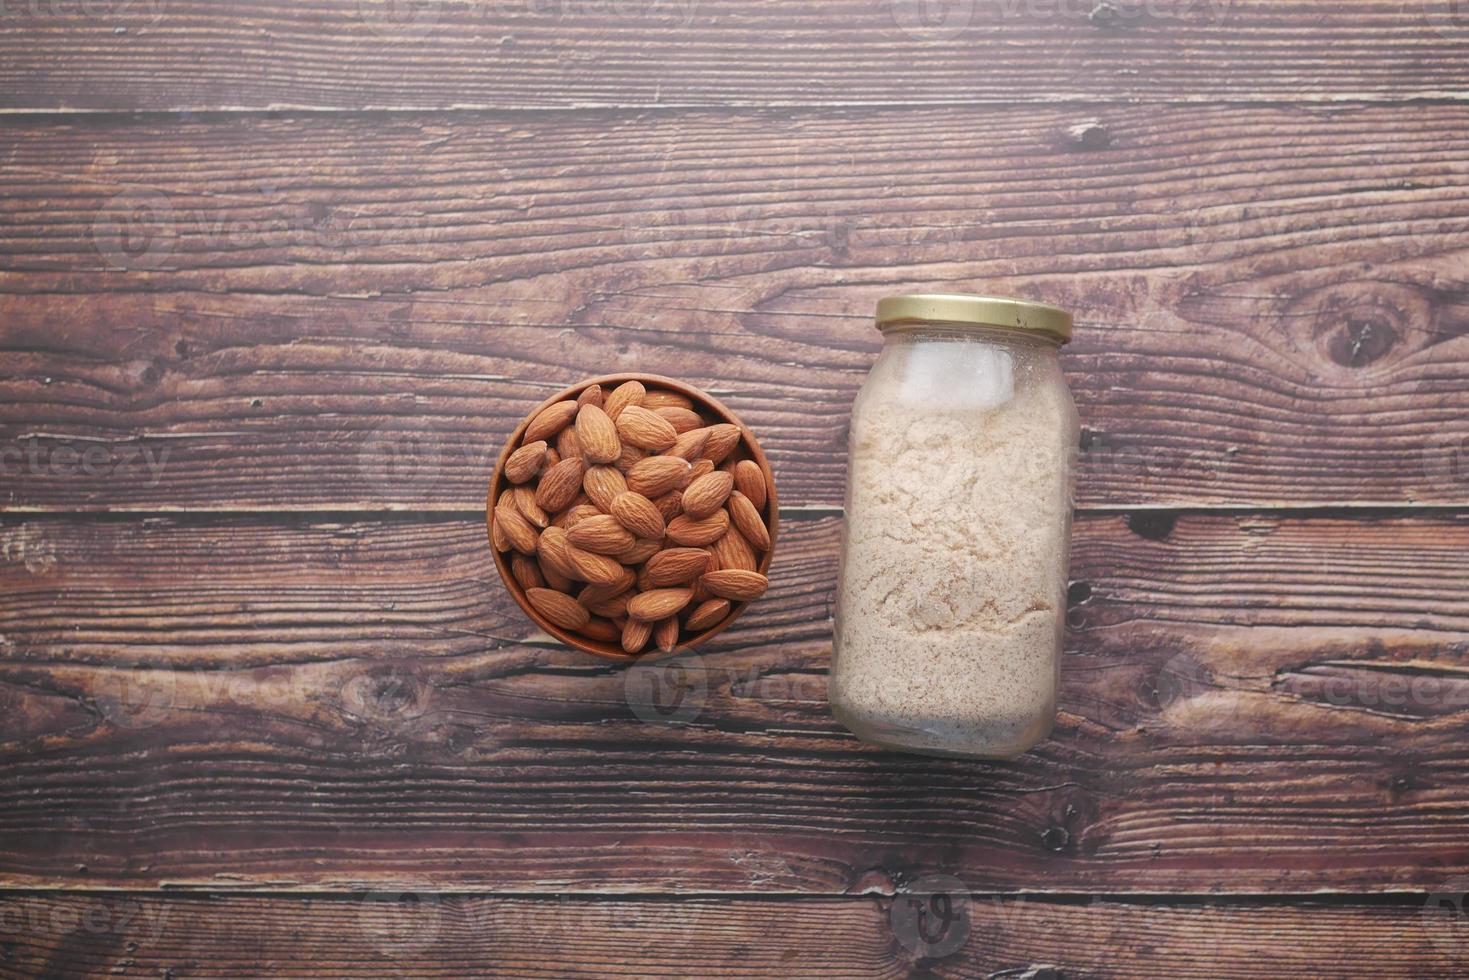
[951,607]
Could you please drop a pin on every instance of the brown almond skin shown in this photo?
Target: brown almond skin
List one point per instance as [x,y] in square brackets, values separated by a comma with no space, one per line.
[525,462]
[525,502]
[658,398]
[526,572]
[656,475]
[722,440]
[707,494]
[597,435]
[630,456]
[601,534]
[635,635]
[745,517]
[498,539]
[555,556]
[567,445]
[670,505]
[576,513]
[552,458]
[638,514]
[675,566]
[682,419]
[656,604]
[625,394]
[560,484]
[551,420]
[689,445]
[701,467]
[560,608]
[592,567]
[733,551]
[750,482]
[735,584]
[611,607]
[641,551]
[706,614]
[665,635]
[519,531]
[686,531]
[554,579]
[602,484]
[645,429]
[605,630]
[591,396]
[595,593]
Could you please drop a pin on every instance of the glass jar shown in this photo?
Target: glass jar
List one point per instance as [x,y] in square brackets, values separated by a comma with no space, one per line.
[951,607]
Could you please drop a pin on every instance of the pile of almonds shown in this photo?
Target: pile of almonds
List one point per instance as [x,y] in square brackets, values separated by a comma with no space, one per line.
[629,517]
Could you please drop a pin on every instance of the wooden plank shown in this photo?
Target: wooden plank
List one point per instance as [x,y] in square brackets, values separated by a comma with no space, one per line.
[1251,704]
[974,935]
[355,54]
[352,313]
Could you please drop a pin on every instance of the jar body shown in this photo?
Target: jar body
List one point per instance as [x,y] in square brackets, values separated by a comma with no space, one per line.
[951,605]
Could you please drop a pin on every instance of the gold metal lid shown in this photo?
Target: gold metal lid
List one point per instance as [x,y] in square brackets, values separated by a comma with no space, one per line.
[980,311]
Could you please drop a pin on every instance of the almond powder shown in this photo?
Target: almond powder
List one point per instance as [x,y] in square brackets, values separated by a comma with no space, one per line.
[952,595]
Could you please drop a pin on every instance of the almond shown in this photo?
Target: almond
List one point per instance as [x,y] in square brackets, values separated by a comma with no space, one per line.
[700,468]
[525,502]
[592,567]
[630,456]
[735,584]
[640,552]
[603,484]
[665,635]
[601,534]
[591,396]
[644,429]
[552,458]
[657,604]
[519,531]
[525,462]
[554,579]
[567,445]
[560,484]
[625,394]
[575,513]
[558,607]
[526,572]
[656,475]
[722,440]
[686,531]
[676,566]
[733,551]
[498,539]
[749,521]
[682,419]
[597,435]
[666,399]
[598,593]
[551,420]
[605,630]
[690,445]
[638,514]
[750,481]
[670,505]
[554,556]
[635,634]
[707,494]
[611,607]
[706,614]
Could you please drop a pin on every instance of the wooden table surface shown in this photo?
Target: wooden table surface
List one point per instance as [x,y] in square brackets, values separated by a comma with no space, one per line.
[277,279]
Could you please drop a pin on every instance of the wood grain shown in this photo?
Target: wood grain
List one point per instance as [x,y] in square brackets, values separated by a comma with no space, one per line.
[1262,321]
[456,936]
[1251,703]
[355,54]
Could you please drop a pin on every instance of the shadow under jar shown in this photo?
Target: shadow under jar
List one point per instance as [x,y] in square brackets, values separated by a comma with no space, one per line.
[951,605]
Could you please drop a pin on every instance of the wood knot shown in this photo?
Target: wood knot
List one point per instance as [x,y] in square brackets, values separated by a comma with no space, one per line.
[1088,136]
[1056,838]
[385,693]
[1155,525]
[1360,340]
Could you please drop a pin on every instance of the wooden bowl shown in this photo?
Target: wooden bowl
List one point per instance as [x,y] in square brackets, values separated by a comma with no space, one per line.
[748,448]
